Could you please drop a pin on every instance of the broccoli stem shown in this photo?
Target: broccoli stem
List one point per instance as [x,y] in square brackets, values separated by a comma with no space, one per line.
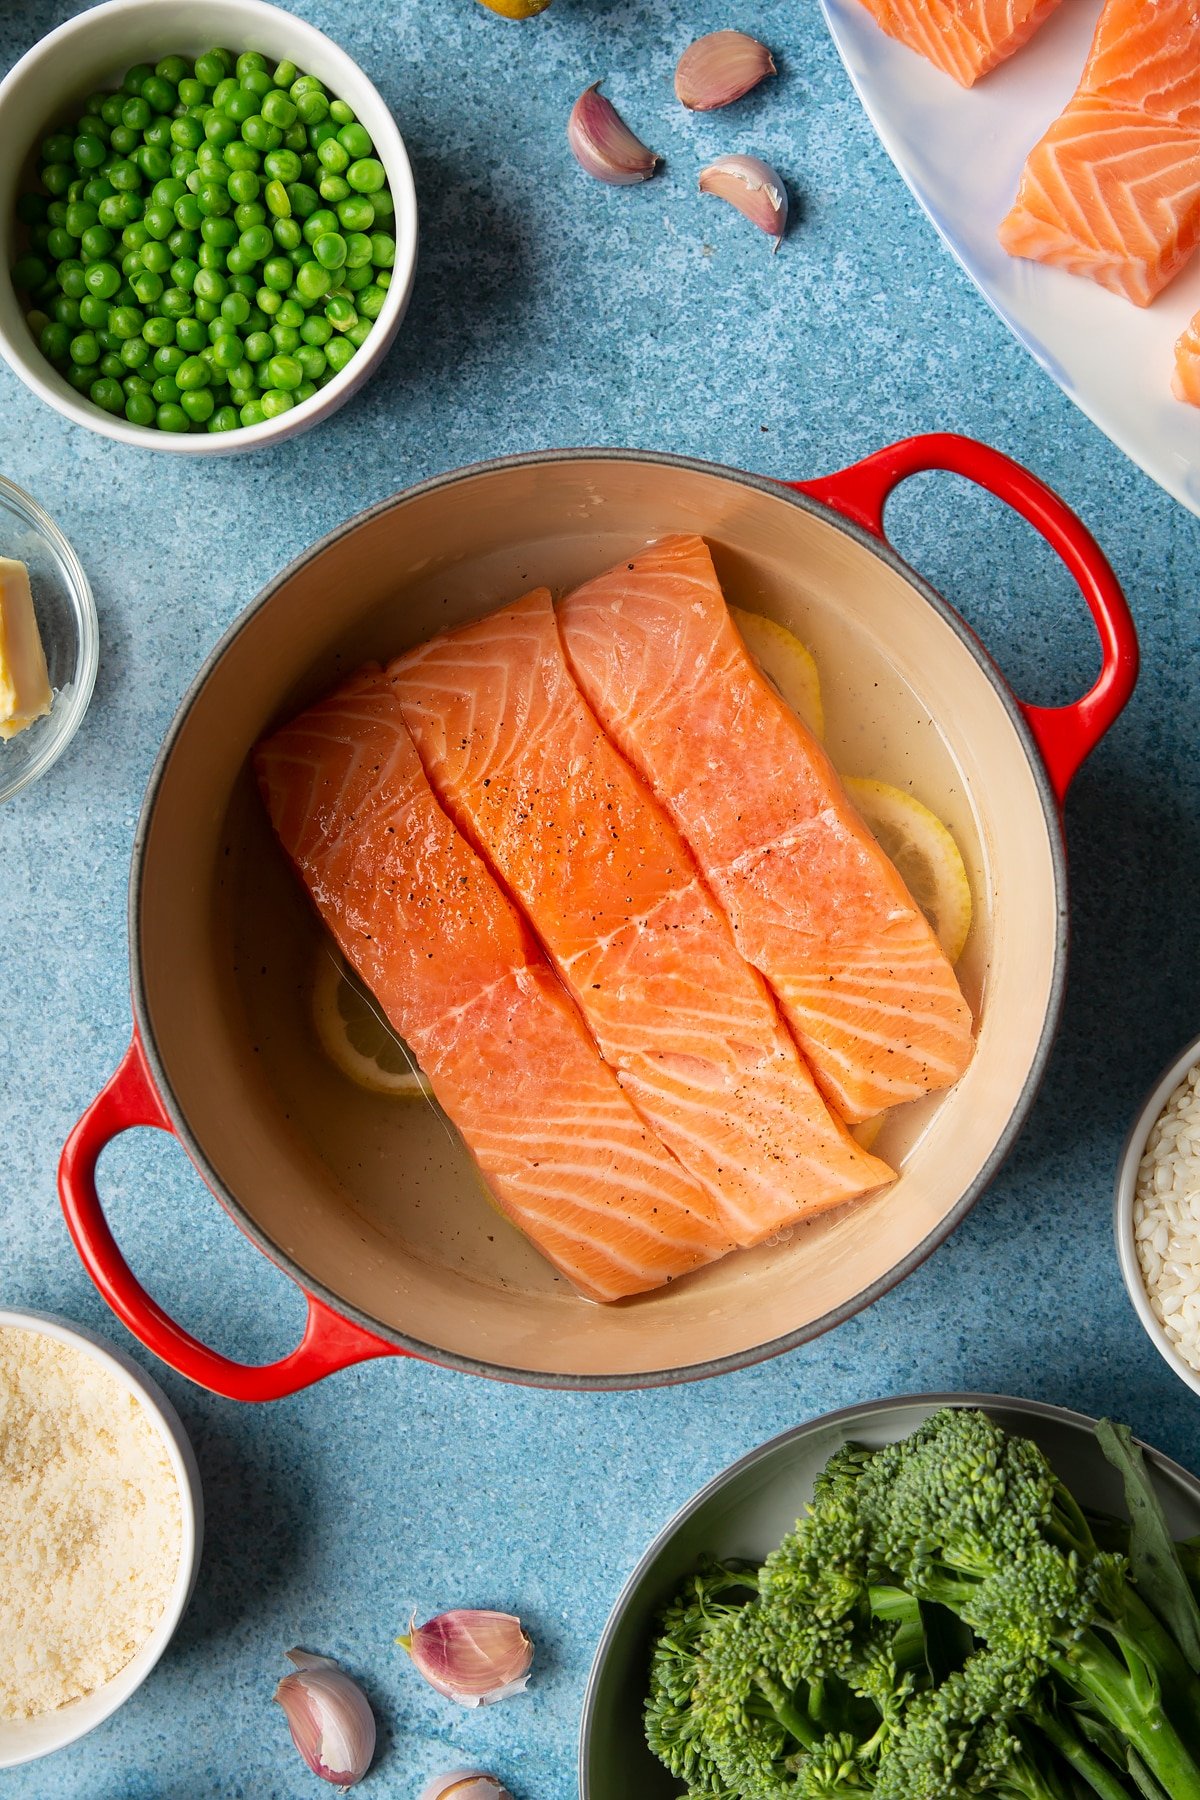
[1089,1768]
[1091,1670]
[785,1709]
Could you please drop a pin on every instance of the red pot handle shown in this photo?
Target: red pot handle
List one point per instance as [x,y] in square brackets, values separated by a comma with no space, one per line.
[1065,735]
[330,1342]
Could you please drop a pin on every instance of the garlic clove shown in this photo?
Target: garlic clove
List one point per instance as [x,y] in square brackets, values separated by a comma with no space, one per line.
[475,1658]
[603,144]
[465,1784]
[720,68]
[753,187]
[330,1720]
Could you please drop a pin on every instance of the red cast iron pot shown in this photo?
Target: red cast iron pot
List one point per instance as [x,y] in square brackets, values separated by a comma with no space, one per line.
[368,1203]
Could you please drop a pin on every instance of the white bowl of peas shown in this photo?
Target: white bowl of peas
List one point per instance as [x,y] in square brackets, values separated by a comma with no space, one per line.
[208,227]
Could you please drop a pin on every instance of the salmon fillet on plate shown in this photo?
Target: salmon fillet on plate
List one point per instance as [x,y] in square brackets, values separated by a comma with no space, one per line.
[815,904]
[459,975]
[963,38]
[518,759]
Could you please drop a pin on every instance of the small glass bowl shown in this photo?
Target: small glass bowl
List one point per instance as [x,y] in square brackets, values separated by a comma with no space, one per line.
[66,616]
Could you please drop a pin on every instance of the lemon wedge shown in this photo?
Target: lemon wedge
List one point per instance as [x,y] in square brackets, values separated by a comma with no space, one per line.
[516,9]
[925,853]
[355,1036]
[787,664]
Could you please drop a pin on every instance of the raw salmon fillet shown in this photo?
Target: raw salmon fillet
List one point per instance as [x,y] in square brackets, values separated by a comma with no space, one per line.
[459,975]
[1185,382]
[965,38]
[1112,193]
[519,761]
[1146,54]
[815,904]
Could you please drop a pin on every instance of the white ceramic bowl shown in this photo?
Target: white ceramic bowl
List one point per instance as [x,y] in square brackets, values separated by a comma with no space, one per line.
[23,1740]
[1127,1173]
[93,51]
[66,617]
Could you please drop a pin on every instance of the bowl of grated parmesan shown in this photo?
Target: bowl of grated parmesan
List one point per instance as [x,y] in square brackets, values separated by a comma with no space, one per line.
[1158,1215]
[101,1519]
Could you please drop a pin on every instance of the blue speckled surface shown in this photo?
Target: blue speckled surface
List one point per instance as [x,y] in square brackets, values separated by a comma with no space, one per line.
[551,311]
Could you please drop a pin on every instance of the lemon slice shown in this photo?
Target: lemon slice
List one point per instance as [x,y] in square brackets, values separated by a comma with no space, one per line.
[929,860]
[516,9]
[787,664]
[355,1036]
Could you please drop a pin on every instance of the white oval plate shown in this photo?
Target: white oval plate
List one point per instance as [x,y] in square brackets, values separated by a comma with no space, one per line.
[961,152]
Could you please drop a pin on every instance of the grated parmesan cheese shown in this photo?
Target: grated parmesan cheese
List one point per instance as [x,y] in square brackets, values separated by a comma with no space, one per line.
[90,1524]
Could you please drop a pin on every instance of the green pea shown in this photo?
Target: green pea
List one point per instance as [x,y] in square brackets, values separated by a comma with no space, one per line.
[228,351]
[80,375]
[212,67]
[355,140]
[240,263]
[198,404]
[258,81]
[66,311]
[126,321]
[148,287]
[367,176]
[206,311]
[291,313]
[220,233]
[213,200]
[249,213]
[136,113]
[278,110]
[312,361]
[257,242]
[159,331]
[187,132]
[209,257]
[259,347]
[79,216]
[153,162]
[338,352]
[187,212]
[305,200]
[244,187]
[295,138]
[235,308]
[240,106]
[112,212]
[333,189]
[55,341]
[85,349]
[385,207]
[60,243]
[182,242]
[358,334]
[317,222]
[286,233]
[70,277]
[108,394]
[56,178]
[340,312]
[281,165]
[171,417]
[277,273]
[176,302]
[160,93]
[123,140]
[285,338]
[341,112]
[354,280]
[192,373]
[167,358]
[159,221]
[93,312]
[252,413]
[358,250]
[97,189]
[89,150]
[57,148]
[219,129]
[103,279]
[356,213]
[192,93]
[28,273]
[316,330]
[284,73]
[260,134]
[370,302]
[156,256]
[312,108]
[97,242]
[191,335]
[277,200]
[268,301]
[244,284]
[332,155]
[184,272]
[140,409]
[135,352]
[211,285]
[284,372]
[330,249]
[136,77]
[224,419]
[276,401]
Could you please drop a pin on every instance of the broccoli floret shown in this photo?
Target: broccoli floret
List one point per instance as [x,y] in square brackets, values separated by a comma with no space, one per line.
[977,1521]
[673,1731]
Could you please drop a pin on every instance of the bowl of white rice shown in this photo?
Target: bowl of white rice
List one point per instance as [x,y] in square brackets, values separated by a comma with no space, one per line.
[1158,1215]
[101,1519]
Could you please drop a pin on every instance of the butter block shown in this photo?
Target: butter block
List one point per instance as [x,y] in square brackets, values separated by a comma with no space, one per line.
[25,693]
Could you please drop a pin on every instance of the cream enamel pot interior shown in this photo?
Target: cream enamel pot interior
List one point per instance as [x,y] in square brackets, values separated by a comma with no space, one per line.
[371,1204]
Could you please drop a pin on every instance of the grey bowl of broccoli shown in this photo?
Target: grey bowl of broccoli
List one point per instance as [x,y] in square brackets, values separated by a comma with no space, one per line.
[947,1597]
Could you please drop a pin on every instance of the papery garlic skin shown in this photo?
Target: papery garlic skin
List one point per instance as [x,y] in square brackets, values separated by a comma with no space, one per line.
[718,69]
[603,145]
[329,1717]
[753,187]
[474,1658]
[465,1784]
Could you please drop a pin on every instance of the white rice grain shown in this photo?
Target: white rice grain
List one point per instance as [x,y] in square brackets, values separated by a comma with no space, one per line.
[1166,1218]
